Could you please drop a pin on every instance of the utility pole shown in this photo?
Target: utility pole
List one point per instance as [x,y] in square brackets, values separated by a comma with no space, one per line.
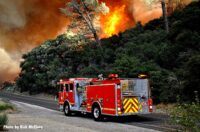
[164,10]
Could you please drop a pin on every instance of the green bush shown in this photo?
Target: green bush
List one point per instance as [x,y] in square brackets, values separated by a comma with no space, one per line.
[3,120]
[4,106]
[187,115]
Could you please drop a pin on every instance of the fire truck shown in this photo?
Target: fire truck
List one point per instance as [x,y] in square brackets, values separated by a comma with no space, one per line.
[112,96]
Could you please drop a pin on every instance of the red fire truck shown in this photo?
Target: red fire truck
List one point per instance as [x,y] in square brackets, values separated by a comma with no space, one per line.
[112,96]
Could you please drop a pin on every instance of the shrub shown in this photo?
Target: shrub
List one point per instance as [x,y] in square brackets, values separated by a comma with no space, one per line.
[187,115]
[3,120]
[4,106]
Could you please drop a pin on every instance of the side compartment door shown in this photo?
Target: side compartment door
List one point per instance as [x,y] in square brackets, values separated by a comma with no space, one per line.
[109,96]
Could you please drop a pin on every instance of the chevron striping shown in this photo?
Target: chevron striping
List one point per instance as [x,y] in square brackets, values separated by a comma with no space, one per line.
[127,109]
[127,103]
[130,105]
[131,111]
[135,99]
[136,105]
[135,109]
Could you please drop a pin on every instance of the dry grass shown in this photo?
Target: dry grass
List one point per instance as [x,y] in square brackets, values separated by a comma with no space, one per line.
[164,108]
[5,107]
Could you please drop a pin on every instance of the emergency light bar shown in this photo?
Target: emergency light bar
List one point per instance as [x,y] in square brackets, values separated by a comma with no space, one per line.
[113,76]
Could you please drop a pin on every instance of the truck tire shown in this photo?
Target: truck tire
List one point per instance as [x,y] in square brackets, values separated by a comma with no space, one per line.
[66,109]
[96,112]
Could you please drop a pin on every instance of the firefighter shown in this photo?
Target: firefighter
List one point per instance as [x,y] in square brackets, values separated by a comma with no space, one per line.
[100,77]
[80,90]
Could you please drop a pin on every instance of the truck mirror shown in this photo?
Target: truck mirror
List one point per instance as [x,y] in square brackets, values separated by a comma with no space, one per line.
[77,85]
[143,97]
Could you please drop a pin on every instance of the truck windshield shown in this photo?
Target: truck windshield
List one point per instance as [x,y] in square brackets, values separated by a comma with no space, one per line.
[83,83]
[135,87]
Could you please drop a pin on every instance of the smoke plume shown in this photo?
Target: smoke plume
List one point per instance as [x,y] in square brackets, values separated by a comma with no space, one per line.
[24,24]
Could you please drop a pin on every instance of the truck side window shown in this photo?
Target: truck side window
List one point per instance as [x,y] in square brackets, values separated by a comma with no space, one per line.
[67,87]
[61,87]
[71,86]
[58,87]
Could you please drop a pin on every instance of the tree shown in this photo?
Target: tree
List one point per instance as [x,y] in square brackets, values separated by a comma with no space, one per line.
[164,10]
[84,16]
[191,77]
[165,16]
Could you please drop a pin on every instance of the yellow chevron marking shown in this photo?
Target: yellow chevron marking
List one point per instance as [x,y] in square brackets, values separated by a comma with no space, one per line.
[136,100]
[127,103]
[125,100]
[127,108]
[131,105]
[134,103]
[134,109]
[136,106]
[131,111]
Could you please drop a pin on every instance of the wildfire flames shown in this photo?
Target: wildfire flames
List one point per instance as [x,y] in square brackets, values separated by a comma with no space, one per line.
[25,24]
[125,14]
[114,22]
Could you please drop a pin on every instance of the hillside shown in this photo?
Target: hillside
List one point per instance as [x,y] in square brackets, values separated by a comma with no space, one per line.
[172,60]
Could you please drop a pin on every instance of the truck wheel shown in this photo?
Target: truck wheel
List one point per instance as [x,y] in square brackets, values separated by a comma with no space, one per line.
[96,112]
[66,109]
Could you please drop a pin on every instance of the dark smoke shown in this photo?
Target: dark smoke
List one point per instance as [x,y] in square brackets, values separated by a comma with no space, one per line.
[24,24]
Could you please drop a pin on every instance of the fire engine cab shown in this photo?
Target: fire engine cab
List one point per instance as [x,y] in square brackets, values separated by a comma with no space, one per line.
[112,96]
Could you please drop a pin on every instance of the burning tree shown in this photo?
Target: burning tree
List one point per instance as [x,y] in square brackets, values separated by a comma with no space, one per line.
[84,16]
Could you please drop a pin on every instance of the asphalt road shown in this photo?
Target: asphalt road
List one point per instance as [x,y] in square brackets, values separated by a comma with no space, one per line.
[152,121]
[54,121]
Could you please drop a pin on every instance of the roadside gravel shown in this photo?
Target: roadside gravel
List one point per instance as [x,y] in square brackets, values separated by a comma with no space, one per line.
[34,118]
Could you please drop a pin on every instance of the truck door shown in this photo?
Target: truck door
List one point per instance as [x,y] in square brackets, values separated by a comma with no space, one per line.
[70,93]
[61,94]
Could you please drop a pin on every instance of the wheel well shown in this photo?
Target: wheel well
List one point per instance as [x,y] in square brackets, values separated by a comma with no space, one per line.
[67,102]
[95,104]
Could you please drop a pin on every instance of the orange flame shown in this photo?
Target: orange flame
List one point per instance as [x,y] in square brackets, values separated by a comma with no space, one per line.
[115,21]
